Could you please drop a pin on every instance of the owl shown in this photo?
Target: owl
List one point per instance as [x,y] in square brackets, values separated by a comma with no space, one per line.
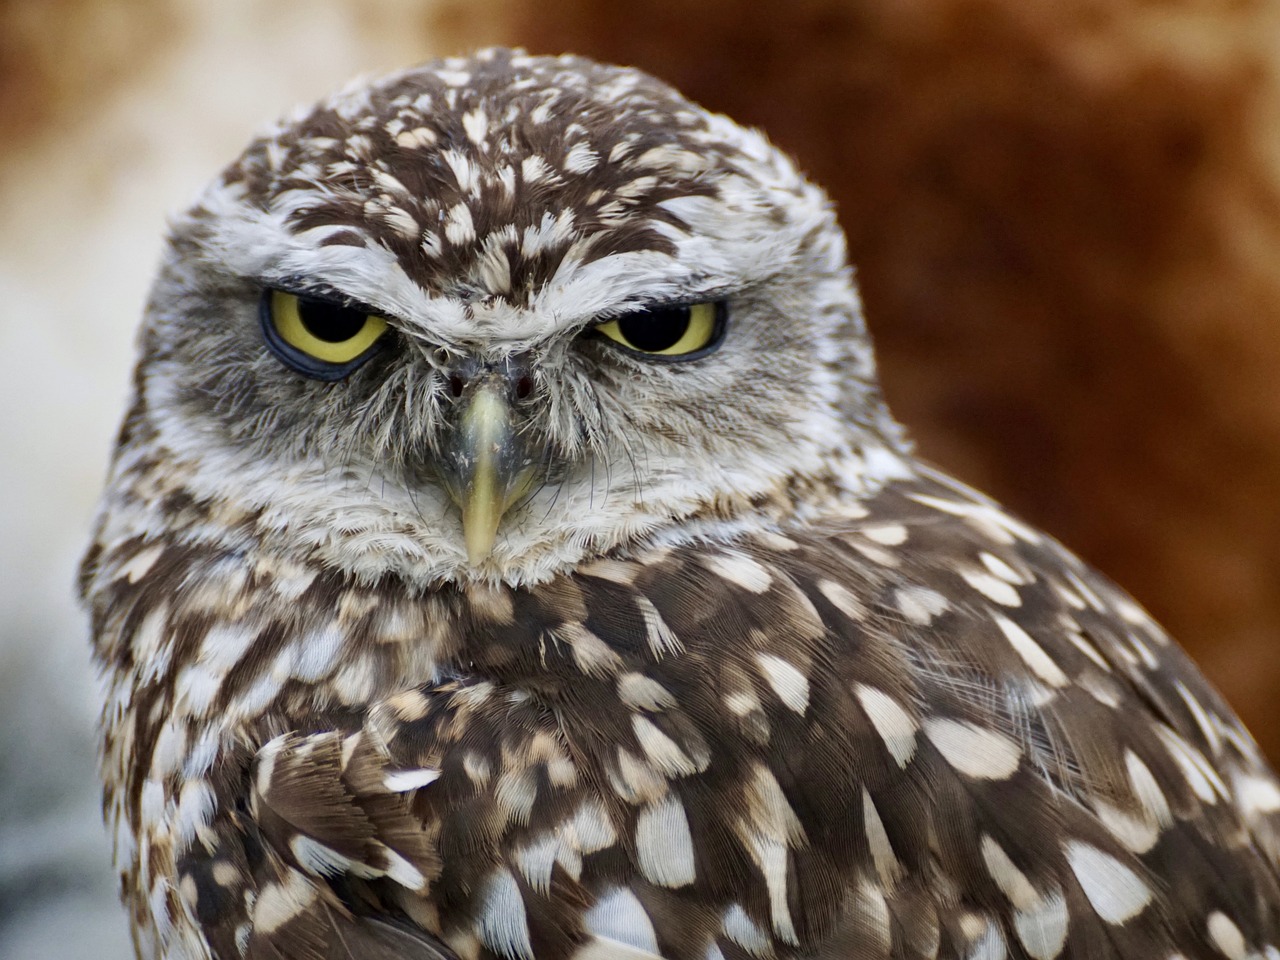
[508,555]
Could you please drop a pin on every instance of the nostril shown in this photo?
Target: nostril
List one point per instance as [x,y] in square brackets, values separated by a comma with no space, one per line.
[456,383]
[524,387]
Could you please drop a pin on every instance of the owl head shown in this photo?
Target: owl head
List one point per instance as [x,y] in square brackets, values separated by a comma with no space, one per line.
[492,316]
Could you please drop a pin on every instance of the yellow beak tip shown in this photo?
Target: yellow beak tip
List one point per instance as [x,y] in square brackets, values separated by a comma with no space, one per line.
[480,519]
[478,548]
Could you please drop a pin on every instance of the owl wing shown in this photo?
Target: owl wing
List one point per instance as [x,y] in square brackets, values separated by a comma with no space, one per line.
[918,729]
[281,874]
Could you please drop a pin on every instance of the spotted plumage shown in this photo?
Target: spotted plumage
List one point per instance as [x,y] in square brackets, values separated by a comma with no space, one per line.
[733,676]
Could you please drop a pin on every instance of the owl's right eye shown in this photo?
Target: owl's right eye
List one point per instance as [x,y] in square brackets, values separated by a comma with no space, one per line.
[318,338]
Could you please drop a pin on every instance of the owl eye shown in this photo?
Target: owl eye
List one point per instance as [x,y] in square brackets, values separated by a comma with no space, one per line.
[675,333]
[319,338]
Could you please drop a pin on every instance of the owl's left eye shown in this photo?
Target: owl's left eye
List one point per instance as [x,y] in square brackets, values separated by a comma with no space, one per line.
[669,333]
[318,338]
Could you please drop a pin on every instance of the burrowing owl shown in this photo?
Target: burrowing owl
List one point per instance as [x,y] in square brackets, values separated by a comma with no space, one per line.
[508,554]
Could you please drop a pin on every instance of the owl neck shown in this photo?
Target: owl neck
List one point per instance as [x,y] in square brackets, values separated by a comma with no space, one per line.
[369,527]
[371,533]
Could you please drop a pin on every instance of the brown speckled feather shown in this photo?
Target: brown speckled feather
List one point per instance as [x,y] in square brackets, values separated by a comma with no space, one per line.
[926,731]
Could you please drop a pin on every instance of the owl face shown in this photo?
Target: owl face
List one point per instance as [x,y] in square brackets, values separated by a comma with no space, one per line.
[491,316]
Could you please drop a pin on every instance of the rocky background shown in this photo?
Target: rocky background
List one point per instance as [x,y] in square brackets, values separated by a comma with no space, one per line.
[1065,217]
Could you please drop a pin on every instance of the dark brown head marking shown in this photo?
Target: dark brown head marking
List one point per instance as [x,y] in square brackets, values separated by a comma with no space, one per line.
[482,175]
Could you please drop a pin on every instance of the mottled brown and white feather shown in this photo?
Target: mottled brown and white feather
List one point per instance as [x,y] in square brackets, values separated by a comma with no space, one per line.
[916,729]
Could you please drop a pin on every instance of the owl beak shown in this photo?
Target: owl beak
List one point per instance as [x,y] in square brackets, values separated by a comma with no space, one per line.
[490,469]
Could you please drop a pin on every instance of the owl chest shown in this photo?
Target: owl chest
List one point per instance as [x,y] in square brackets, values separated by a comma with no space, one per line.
[496,755]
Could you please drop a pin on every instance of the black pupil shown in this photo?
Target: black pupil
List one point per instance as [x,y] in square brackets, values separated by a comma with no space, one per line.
[330,322]
[655,330]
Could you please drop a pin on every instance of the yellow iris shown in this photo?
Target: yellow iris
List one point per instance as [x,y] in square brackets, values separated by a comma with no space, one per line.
[324,331]
[666,331]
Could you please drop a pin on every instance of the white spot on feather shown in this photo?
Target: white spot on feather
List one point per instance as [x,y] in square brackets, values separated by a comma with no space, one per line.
[888,870]
[993,588]
[619,915]
[171,746]
[999,568]
[516,793]
[1013,883]
[744,931]
[533,168]
[151,803]
[416,139]
[251,702]
[402,222]
[1258,794]
[278,903]
[887,534]
[1226,936]
[592,655]
[1202,778]
[634,780]
[895,726]
[1042,927]
[463,170]
[203,753]
[1084,644]
[872,910]
[137,566]
[974,751]
[989,942]
[989,519]
[1086,592]
[198,686]
[768,811]
[1205,722]
[659,636]
[459,227]
[152,645]
[1032,654]
[664,846]
[315,653]
[1137,834]
[503,925]
[791,686]
[475,123]
[493,268]
[644,693]
[536,861]
[843,599]
[741,570]
[1116,893]
[581,158]
[550,232]
[920,604]
[403,872]
[1148,790]
[662,751]
[316,858]
[771,857]
[454,78]
[399,781]
[592,827]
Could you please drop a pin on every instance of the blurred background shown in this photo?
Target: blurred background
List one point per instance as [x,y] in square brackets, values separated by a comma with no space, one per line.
[1065,218]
